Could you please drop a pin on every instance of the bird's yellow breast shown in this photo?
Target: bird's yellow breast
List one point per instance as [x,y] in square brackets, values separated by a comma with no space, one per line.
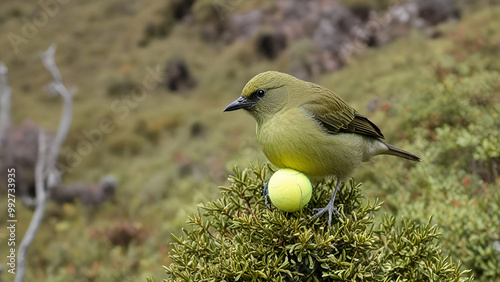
[294,139]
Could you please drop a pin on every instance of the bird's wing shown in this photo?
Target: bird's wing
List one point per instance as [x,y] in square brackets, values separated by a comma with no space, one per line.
[362,125]
[338,117]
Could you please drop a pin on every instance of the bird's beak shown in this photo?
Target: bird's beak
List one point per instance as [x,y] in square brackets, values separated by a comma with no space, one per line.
[241,103]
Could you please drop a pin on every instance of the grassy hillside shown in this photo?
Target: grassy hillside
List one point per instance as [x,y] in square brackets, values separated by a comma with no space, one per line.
[171,150]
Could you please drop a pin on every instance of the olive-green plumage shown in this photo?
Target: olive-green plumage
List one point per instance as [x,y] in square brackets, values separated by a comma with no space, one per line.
[304,126]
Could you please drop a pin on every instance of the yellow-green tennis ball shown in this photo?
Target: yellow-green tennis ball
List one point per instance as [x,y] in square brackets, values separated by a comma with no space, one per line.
[289,190]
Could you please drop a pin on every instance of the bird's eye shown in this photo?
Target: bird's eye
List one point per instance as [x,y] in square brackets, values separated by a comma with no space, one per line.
[261,93]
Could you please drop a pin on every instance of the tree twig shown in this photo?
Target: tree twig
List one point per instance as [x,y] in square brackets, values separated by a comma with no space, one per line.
[46,174]
[58,87]
[247,204]
[49,62]
[41,199]
[4,103]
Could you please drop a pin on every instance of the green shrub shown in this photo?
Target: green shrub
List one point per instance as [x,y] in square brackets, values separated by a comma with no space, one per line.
[237,238]
[453,121]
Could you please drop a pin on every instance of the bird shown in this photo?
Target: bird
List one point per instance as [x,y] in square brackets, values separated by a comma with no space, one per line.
[307,127]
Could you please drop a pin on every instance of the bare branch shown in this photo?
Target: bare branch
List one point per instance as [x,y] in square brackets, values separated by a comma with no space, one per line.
[41,199]
[62,132]
[58,87]
[49,62]
[5,93]
[46,174]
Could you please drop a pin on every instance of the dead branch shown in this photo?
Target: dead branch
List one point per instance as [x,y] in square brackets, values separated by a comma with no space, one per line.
[41,199]
[46,174]
[4,103]
[57,87]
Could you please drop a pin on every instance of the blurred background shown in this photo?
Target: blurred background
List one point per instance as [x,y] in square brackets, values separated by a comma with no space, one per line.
[148,140]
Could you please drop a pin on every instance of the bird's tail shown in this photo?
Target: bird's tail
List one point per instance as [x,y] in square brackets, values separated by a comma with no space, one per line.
[394,151]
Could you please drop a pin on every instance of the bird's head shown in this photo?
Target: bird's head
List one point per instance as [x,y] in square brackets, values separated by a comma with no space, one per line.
[265,94]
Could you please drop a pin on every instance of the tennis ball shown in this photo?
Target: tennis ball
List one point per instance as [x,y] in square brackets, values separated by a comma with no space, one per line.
[289,190]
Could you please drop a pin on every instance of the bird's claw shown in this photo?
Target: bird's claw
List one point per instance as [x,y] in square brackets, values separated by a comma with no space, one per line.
[330,208]
[331,211]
